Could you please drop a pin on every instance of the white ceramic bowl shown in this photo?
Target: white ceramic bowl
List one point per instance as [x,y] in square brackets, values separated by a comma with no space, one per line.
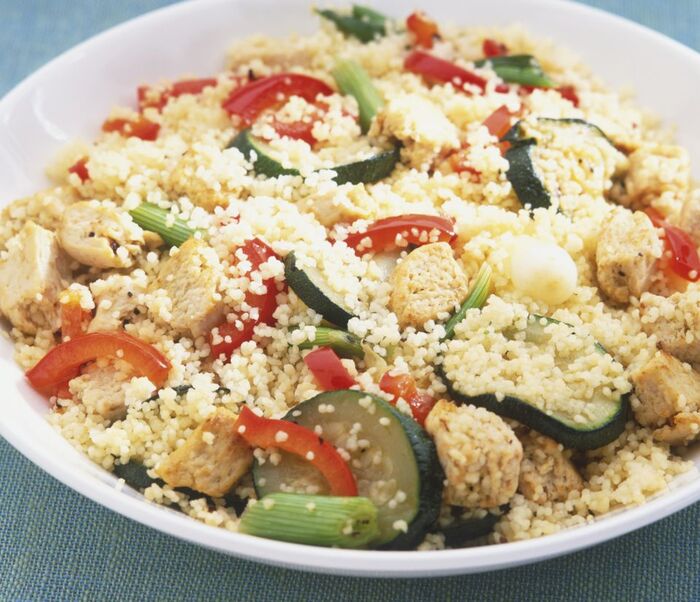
[69,97]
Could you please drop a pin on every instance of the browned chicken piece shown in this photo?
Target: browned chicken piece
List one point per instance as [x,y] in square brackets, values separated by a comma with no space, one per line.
[627,249]
[190,279]
[479,452]
[212,460]
[427,283]
[684,429]
[546,474]
[675,321]
[31,277]
[665,387]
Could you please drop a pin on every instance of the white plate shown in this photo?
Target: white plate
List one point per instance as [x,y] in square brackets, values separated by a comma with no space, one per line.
[69,97]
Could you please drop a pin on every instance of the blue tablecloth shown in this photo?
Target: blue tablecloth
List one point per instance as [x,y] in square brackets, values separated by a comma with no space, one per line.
[57,545]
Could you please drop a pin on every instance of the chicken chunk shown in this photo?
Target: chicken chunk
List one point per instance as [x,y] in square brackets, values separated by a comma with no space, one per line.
[189,279]
[427,283]
[98,235]
[690,217]
[116,300]
[479,452]
[546,474]
[654,170]
[100,388]
[675,321]
[627,249]
[665,386]
[420,125]
[31,278]
[684,429]
[213,458]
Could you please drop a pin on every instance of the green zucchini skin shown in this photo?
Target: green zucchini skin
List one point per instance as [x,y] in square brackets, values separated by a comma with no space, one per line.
[263,163]
[312,295]
[366,171]
[369,170]
[464,530]
[524,179]
[432,481]
[521,173]
[518,409]
[427,465]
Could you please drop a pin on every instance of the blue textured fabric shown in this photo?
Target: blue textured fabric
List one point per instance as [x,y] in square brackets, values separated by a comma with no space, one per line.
[57,545]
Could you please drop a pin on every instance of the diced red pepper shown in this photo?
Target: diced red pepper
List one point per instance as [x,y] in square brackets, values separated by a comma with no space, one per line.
[233,337]
[493,48]
[439,70]
[147,97]
[683,260]
[459,162]
[404,386]
[56,367]
[295,439]
[74,319]
[79,168]
[140,127]
[569,92]
[498,123]
[249,101]
[423,28]
[328,370]
[400,231]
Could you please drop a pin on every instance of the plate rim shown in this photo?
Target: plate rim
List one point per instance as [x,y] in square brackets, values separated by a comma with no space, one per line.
[368,563]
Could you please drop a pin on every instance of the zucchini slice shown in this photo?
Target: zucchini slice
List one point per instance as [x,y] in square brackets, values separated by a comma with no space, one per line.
[605,418]
[310,287]
[466,527]
[365,171]
[392,458]
[522,169]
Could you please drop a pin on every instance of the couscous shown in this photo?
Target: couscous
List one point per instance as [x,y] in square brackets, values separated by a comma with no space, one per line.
[396,285]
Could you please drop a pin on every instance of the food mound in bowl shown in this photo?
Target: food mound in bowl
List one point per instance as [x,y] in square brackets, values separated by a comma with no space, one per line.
[393,285]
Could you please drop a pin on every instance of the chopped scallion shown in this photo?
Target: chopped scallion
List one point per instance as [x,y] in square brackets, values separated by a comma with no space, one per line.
[352,79]
[475,299]
[320,520]
[522,69]
[342,342]
[174,231]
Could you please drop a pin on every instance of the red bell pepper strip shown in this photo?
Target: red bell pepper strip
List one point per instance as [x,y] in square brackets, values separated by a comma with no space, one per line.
[423,28]
[140,127]
[303,128]
[79,168]
[63,360]
[148,98]
[74,319]
[400,231]
[683,260]
[404,386]
[328,370]
[300,441]
[252,99]
[439,70]
[493,48]
[233,337]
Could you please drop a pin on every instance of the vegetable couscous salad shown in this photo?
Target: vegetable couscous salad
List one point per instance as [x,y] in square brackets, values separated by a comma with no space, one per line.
[392,285]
